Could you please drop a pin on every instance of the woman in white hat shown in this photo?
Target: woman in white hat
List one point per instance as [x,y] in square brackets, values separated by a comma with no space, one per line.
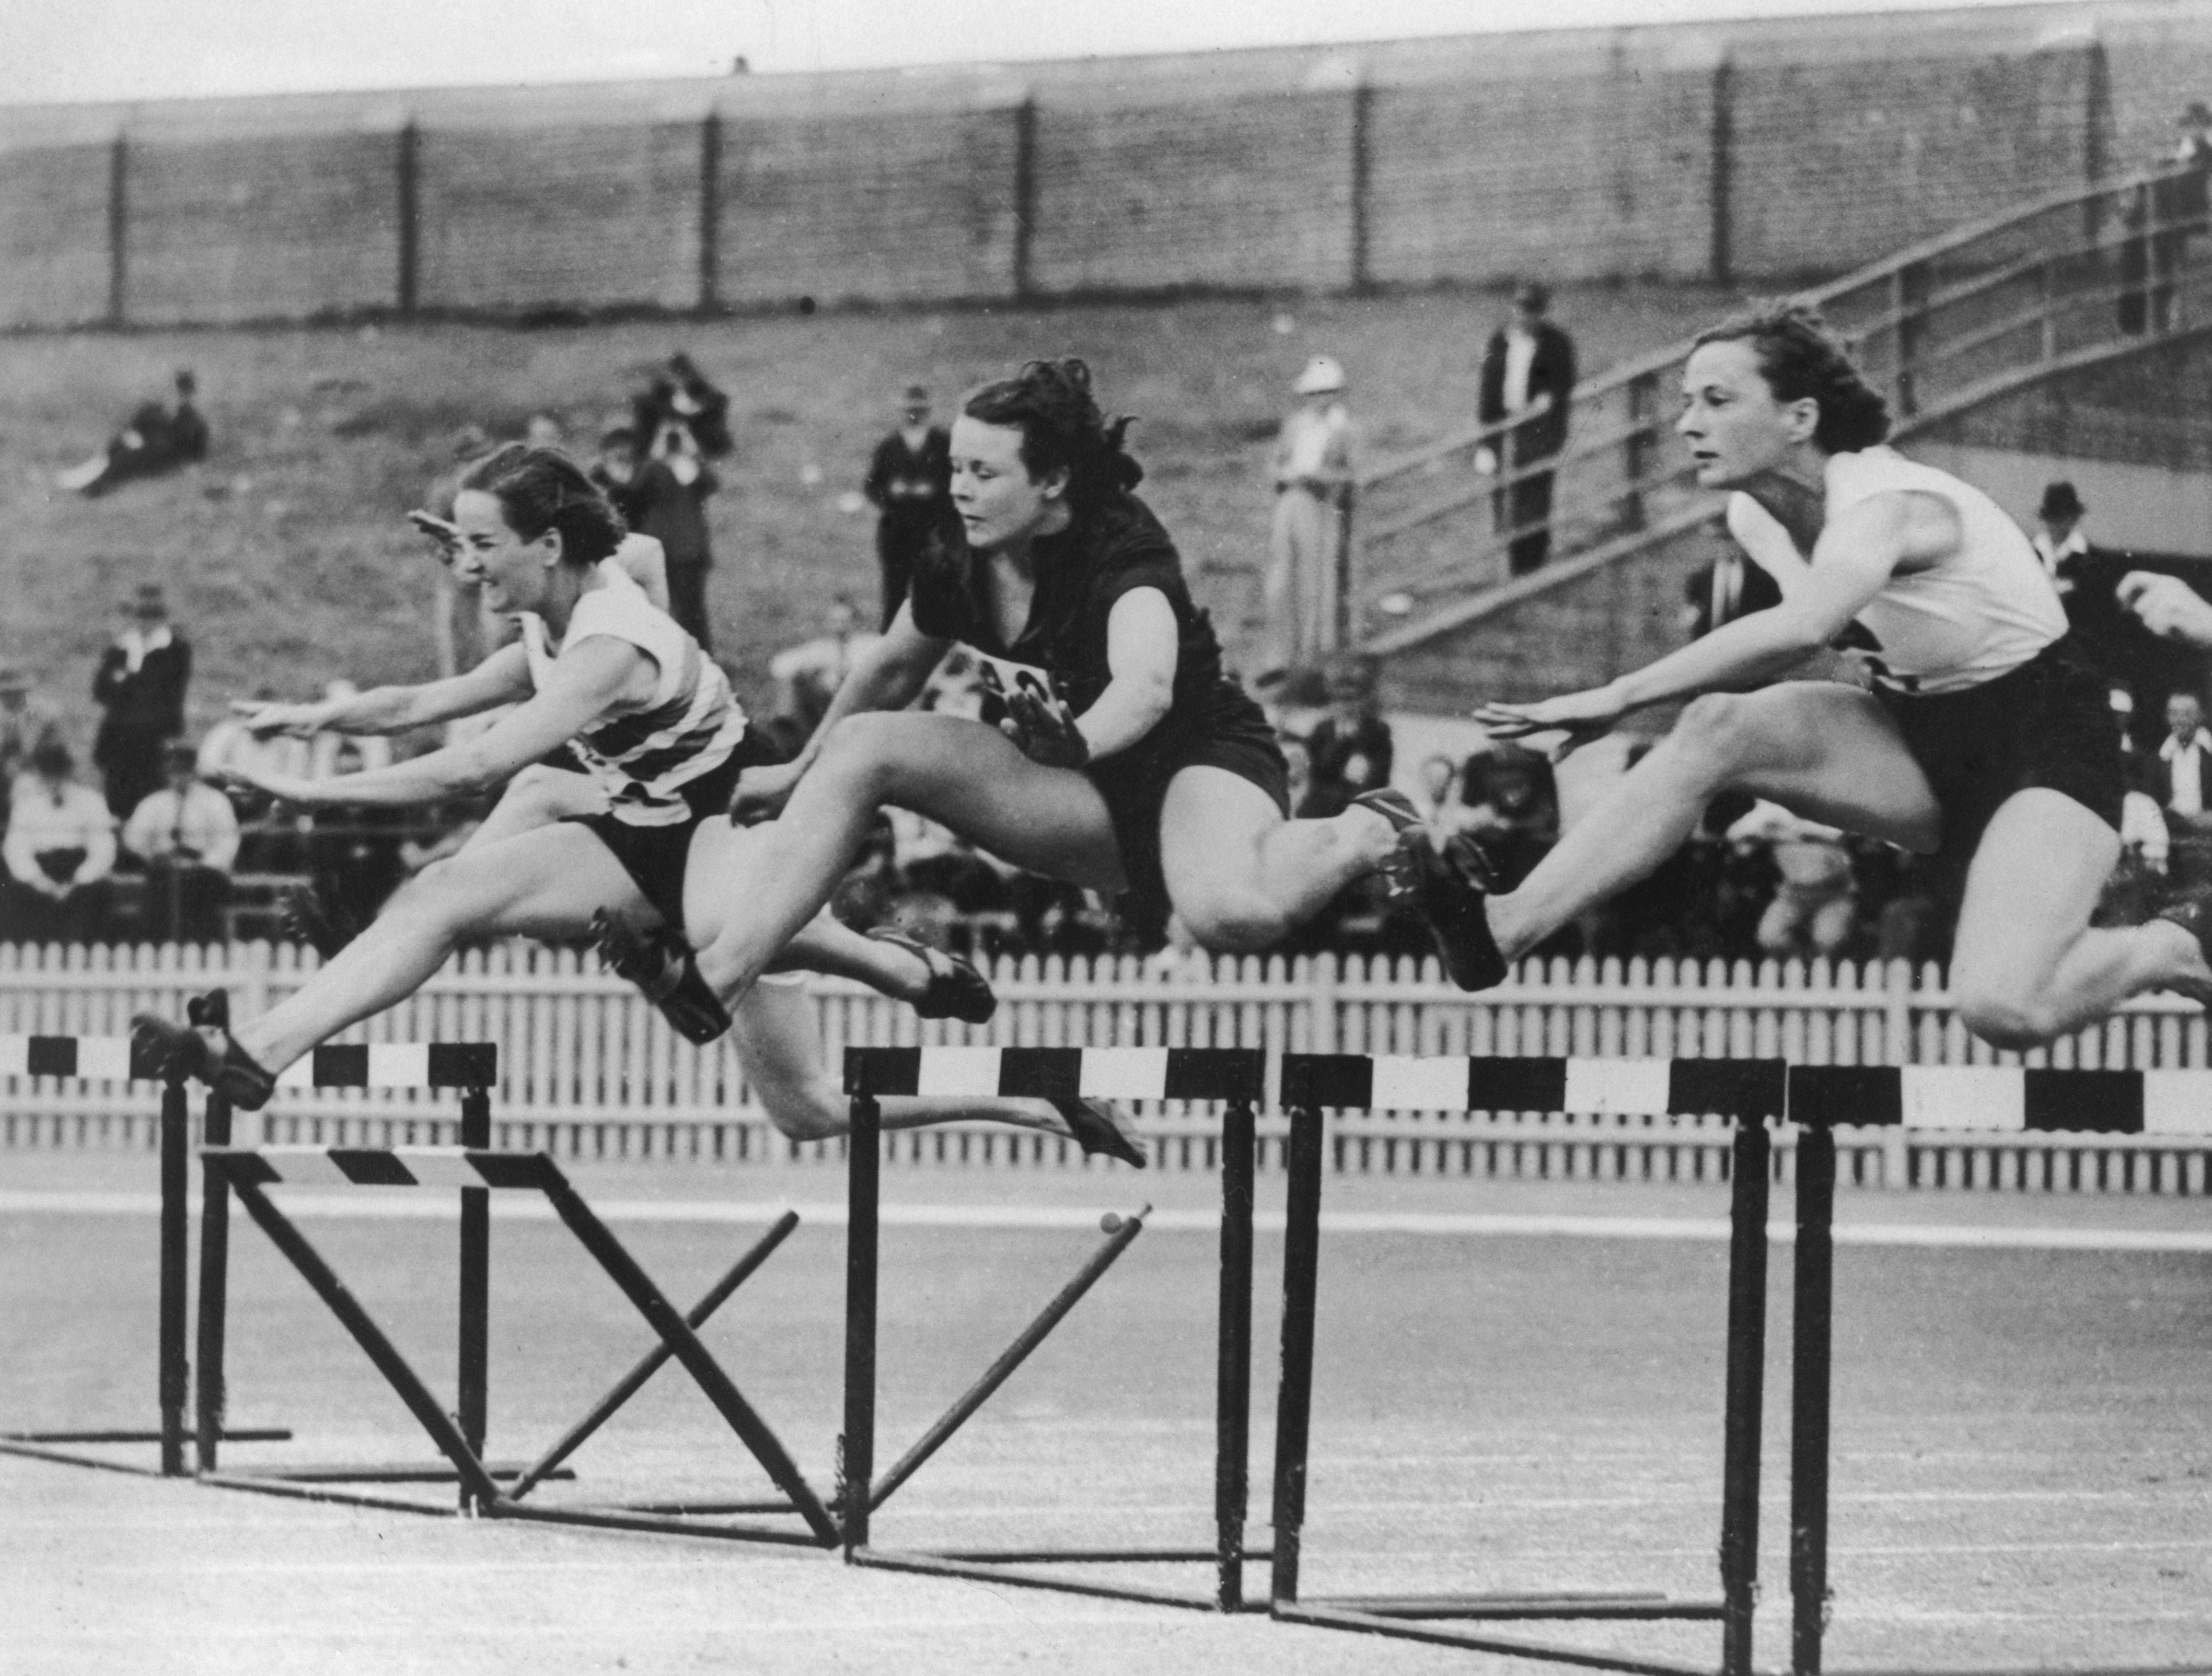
[1312,465]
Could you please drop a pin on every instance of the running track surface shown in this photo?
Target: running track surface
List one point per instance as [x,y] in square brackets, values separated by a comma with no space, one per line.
[1518,1386]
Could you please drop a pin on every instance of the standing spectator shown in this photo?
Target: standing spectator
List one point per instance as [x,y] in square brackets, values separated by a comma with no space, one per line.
[2085,578]
[616,471]
[1527,377]
[2181,781]
[2060,540]
[25,723]
[910,484]
[188,838]
[2181,204]
[683,395]
[1313,467]
[1351,746]
[141,683]
[60,850]
[1729,587]
[671,503]
[153,439]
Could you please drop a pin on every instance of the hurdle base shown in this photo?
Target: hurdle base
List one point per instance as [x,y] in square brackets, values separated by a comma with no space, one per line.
[993,1570]
[432,1471]
[1407,1627]
[47,1446]
[231,1435]
[1646,1604]
[658,1524]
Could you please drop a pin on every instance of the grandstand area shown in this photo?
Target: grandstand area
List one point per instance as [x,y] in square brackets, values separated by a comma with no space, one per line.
[1466,1320]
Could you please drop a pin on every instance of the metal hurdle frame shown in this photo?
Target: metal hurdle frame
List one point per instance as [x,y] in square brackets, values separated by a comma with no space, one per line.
[1921,1098]
[112,1059]
[1750,1091]
[1234,1077]
[479,1171]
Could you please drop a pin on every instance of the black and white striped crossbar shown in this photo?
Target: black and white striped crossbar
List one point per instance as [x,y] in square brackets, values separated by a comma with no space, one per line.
[1059,1073]
[110,1059]
[382,1167]
[1725,1088]
[1989,1099]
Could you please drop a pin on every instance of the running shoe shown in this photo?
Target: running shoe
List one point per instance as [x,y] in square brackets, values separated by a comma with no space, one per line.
[1447,885]
[957,990]
[308,917]
[1101,1128]
[175,1051]
[661,963]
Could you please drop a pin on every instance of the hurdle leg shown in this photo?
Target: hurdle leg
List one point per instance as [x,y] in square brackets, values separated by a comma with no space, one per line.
[1294,1395]
[370,1337]
[1750,1171]
[473,1382]
[856,1448]
[210,1398]
[1232,1411]
[1810,1377]
[175,1374]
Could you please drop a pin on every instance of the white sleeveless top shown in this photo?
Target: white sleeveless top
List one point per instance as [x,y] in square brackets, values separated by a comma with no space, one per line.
[644,754]
[1986,609]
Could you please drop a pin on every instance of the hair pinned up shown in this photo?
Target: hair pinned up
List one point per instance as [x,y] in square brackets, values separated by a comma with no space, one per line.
[1801,358]
[1050,403]
[542,489]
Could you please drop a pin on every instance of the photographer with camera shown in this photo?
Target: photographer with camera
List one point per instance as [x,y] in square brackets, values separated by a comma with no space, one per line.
[682,422]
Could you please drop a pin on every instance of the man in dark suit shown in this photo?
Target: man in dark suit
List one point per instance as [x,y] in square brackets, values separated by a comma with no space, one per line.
[910,484]
[1527,377]
[139,683]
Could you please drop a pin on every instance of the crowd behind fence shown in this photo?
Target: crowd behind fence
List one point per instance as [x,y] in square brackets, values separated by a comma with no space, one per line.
[588,1068]
[1750,151]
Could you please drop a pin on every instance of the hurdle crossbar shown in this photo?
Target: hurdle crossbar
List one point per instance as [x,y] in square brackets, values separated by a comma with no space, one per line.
[1750,1091]
[115,1060]
[1232,1076]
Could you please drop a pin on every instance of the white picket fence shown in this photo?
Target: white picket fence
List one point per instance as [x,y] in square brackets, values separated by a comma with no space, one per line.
[589,1069]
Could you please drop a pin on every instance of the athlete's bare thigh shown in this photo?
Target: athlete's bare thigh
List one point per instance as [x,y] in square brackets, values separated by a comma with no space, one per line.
[1832,754]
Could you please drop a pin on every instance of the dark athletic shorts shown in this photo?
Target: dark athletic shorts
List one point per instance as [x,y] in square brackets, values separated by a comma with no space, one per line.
[1135,787]
[2049,723]
[654,856]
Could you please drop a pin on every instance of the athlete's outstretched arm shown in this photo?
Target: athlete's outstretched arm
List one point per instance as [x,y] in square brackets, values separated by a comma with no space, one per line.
[1856,555]
[502,678]
[588,679]
[2168,607]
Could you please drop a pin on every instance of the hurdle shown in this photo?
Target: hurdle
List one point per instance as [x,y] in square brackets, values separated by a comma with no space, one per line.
[458,1437]
[1232,1076]
[1750,1091]
[111,1059]
[1924,1099]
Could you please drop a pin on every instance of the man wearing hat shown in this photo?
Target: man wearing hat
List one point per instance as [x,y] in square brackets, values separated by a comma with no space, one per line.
[1312,465]
[139,683]
[910,484]
[1528,377]
[2059,539]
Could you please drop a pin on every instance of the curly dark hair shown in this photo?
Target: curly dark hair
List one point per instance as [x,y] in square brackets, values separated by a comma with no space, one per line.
[1050,403]
[1800,357]
[542,489]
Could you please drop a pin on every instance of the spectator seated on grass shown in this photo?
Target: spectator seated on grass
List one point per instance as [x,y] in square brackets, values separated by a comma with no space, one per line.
[1351,745]
[155,440]
[186,836]
[1439,797]
[60,850]
[1815,905]
[353,851]
[807,676]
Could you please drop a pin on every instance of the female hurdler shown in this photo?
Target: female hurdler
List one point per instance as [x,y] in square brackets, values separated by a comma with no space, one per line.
[1980,736]
[601,670]
[1128,761]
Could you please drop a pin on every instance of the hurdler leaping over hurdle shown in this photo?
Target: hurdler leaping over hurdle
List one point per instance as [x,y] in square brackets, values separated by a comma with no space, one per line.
[601,670]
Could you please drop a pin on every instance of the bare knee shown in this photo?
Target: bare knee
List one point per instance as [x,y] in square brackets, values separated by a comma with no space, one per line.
[2003,1009]
[802,1114]
[1233,922]
[863,751]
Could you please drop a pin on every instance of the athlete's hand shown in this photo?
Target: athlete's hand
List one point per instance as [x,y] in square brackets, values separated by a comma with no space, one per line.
[297,721]
[284,788]
[446,535]
[1580,716]
[762,792]
[1044,731]
[2168,607]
